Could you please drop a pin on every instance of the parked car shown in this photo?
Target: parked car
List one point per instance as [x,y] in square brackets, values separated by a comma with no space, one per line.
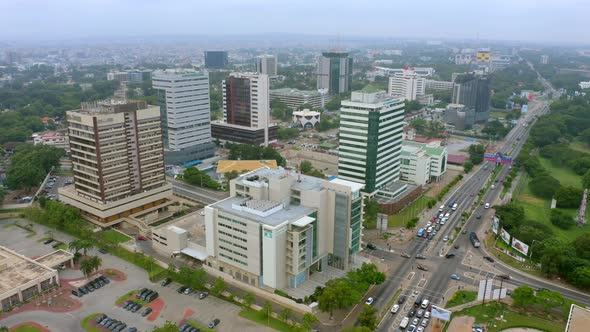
[48,241]
[203,295]
[181,289]
[446,238]
[401,299]
[455,277]
[146,312]
[76,293]
[371,246]
[419,313]
[450,255]
[420,256]
[56,244]
[188,290]
[412,312]
[142,238]
[488,258]
[406,255]
[422,267]
[166,282]
[213,323]
[394,309]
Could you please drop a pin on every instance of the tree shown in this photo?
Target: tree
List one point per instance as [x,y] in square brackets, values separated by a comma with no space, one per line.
[367,274]
[523,296]
[287,133]
[468,166]
[412,105]
[75,245]
[419,124]
[333,104]
[552,255]
[544,185]
[308,320]
[568,197]
[286,314]
[248,299]
[171,270]
[267,309]
[168,327]
[30,164]
[581,277]
[371,210]
[562,219]
[218,286]
[582,246]
[368,317]
[86,245]
[338,294]
[549,299]
[90,265]
[586,180]
[476,152]
[4,329]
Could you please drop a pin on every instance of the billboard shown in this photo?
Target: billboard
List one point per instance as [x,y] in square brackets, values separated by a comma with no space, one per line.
[497,158]
[520,246]
[505,236]
[485,289]
[495,225]
[440,313]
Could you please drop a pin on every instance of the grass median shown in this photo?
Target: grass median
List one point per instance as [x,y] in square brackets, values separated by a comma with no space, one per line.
[461,297]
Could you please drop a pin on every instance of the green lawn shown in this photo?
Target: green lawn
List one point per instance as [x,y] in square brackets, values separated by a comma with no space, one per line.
[62,246]
[579,146]
[401,218]
[259,317]
[488,313]
[25,328]
[115,237]
[564,175]
[85,323]
[461,297]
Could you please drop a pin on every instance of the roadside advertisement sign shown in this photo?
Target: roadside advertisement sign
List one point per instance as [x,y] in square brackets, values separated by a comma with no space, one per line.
[520,246]
[440,313]
[497,158]
[495,225]
[505,236]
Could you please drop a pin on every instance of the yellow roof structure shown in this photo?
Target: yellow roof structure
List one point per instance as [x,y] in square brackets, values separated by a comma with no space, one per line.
[225,166]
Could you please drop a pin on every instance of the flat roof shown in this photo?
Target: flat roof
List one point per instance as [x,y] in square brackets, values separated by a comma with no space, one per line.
[224,166]
[291,213]
[55,258]
[354,186]
[176,230]
[16,270]
[304,221]
[578,320]
[198,254]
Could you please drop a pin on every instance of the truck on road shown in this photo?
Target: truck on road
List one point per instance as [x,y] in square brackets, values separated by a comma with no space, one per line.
[474,239]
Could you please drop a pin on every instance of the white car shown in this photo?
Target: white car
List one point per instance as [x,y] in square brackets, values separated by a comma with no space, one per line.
[424,322]
[487,206]
[446,238]
[370,301]
[395,308]
[420,329]
[427,314]
[447,215]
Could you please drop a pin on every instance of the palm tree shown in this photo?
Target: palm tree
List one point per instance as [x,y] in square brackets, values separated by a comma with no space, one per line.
[86,267]
[96,263]
[86,245]
[75,245]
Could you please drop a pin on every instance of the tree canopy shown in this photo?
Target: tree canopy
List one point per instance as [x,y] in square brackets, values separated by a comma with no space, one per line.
[30,164]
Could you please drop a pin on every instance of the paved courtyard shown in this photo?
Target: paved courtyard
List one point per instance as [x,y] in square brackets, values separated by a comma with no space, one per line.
[176,307]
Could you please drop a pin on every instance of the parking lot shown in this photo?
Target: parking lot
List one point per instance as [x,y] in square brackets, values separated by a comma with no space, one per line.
[176,307]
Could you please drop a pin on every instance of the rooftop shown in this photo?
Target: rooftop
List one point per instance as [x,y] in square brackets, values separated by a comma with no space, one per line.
[408,145]
[55,258]
[224,166]
[291,91]
[578,318]
[112,106]
[16,270]
[370,88]
[261,176]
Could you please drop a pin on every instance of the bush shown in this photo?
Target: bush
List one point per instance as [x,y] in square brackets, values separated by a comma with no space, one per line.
[562,219]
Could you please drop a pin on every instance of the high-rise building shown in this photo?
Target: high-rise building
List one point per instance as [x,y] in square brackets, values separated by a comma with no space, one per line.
[407,85]
[278,227]
[473,91]
[335,72]
[186,114]
[246,110]
[266,64]
[117,160]
[371,126]
[544,59]
[216,59]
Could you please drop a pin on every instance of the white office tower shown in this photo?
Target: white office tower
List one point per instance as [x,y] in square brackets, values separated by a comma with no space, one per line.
[407,85]
[371,126]
[267,64]
[183,96]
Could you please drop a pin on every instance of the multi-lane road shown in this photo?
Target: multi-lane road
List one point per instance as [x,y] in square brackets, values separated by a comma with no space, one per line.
[436,284]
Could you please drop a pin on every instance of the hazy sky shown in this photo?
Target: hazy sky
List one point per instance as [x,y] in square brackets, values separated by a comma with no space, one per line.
[535,20]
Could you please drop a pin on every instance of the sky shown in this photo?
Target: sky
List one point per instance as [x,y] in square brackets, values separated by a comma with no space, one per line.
[527,20]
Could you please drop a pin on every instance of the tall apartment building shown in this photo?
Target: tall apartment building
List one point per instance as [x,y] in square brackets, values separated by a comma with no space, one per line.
[216,59]
[371,127]
[473,91]
[294,98]
[117,160]
[422,163]
[407,85]
[335,72]
[266,64]
[186,114]
[246,110]
[277,227]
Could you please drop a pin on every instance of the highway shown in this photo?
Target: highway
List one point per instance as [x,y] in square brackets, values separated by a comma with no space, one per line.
[468,262]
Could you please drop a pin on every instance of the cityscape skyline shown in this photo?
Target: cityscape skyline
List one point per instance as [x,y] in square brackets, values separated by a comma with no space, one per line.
[503,20]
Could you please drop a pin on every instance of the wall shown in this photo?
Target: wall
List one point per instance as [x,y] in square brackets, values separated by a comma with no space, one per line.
[391,208]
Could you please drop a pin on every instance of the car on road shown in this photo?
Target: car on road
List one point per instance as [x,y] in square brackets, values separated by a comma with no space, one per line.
[402,299]
[446,238]
[420,256]
[406,255]
[202,212]
[369,301]
[422,267]
[371,246]
[450,255]
[505,277]
[394,309]
[203,295]
[455,277]
[213,323]
[488,258]
[487,206]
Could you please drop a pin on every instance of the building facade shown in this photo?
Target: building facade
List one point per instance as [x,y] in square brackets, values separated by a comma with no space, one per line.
[186,114]
[371,128]
[246,110]
[306,119]
[277,227]
[294,98]
[335,72]
[267,64]
[407,85]
[438,85]
[216,59]
[473,91]
[422,163]
[117,160]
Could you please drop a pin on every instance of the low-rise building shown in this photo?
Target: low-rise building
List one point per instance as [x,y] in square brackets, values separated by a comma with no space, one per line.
[306,119]
[294,98]
[438,85]
[584,85]
[422,163]
[169,239]
[22,279]
[277,227]
[242,166]
[52,138]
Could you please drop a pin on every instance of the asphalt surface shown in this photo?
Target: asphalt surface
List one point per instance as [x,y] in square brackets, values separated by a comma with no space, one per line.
[468,262]
[196,193]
